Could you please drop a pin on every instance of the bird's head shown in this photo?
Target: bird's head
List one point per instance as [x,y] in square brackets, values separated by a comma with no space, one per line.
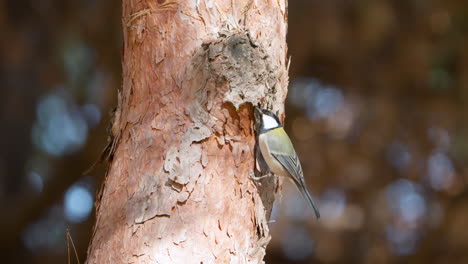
[266,120]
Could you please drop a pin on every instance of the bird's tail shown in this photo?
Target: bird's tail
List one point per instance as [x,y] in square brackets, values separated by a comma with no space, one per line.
[309,199]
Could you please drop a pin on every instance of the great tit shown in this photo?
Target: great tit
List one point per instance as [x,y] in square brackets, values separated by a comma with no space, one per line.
[278,153]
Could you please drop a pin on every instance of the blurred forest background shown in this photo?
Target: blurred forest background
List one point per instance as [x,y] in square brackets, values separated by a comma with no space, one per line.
[377,110]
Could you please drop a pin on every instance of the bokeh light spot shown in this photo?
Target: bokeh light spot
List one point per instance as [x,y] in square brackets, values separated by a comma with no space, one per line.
[440,171]
[78,203]
[301,89]
[332,204]
[47,233]
[92,114]
[402,241]
[324,103]
[296,243]
[398,156]
[406,200]
[36,181]
[59,129]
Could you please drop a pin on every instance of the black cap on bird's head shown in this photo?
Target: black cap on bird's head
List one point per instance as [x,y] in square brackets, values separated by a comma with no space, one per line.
[266,120]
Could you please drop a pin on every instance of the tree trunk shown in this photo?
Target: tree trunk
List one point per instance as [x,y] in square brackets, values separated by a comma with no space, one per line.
[178,188]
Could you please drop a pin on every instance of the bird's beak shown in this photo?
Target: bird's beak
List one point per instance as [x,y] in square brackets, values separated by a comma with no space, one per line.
[257,112]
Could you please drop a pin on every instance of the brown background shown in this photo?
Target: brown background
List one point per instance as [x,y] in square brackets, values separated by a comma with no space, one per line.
[376,109]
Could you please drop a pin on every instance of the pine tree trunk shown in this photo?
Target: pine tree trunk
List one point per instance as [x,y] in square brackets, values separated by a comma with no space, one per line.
[178,188]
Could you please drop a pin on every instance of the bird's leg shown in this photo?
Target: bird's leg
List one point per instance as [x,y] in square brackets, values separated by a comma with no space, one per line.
[257,178]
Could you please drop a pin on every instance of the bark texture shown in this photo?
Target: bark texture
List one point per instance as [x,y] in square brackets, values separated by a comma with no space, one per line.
[178,188]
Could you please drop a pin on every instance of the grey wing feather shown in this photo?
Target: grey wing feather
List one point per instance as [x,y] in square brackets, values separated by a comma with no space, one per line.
[292,165]
[281,148]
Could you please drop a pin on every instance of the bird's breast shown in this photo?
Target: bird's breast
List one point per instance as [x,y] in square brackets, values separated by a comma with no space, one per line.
[274,165]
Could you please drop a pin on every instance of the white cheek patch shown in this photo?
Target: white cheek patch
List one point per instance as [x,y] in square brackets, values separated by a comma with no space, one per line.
[269,122]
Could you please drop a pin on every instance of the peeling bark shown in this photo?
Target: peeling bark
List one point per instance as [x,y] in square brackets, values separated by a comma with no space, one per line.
[178,188]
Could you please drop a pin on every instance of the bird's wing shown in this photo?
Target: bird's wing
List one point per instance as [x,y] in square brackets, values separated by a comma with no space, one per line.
[284,152]
[286,155]
[292,165]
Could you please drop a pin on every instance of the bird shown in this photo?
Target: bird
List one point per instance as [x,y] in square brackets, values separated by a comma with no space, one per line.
[276,151]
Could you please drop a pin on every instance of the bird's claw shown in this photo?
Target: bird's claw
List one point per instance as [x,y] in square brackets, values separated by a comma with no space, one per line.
[257,178]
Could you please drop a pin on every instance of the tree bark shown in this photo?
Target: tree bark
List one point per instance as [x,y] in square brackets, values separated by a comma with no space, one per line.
[178,188]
